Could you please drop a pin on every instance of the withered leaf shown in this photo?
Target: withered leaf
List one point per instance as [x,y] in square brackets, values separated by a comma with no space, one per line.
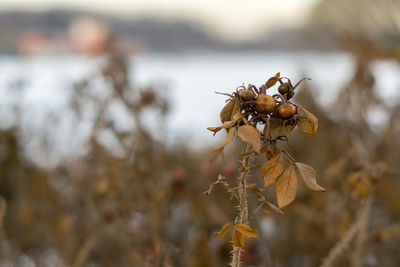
[237,239]
[274,208]
[252,187]
[237,116]
[286,187]
[273,80]
[246,230]
[229,110]
[224,230]
[307,121]
[226,125]
[217,155]
[308,175]
[260,197]
[214,129]
[272,169]
[229,138]
[280,128]
[249,134]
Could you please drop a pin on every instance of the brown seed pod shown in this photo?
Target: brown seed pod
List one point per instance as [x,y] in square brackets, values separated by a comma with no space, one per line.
[283,88]
[247,95]
[265,104]
[286,111]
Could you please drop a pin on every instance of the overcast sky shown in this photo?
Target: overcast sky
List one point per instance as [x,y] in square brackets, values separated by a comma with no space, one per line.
[235,19]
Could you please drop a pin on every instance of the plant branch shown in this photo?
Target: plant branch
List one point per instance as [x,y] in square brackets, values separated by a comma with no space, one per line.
[342,245]
[243,206]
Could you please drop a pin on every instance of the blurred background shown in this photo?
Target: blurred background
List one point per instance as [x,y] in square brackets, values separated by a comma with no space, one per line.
[104,150]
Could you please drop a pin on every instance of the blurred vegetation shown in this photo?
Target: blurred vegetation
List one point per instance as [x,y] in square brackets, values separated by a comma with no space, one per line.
[143,203]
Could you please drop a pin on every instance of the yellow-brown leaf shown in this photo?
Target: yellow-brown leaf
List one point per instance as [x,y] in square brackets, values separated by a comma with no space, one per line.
[217,155]
[308,175]
[246,230]
[224,230]
[229,138]
[214,129]
[249,134]
[229,110]
[252,187]
[307,121]
[237,239]
[273,80]
[280,128]
[272,169]
[286,187]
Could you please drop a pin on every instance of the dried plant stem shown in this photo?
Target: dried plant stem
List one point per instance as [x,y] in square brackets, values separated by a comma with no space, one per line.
[355,229]
[84,252]
[357,257]
[243,207]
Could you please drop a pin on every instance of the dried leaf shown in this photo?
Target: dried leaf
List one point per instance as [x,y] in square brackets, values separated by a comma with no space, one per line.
[271,150]
[246,230]
[229,110]
[272,169]
[307,121]
[273,80]
[214,129]
[250,135]
[237,116]
[225,125]
[280,128]
[252,187]
[309,176]
[286,187]
[274,208]
[229,138]
[217,155]
[224,230]
[228,124]
[237,239]
[260,197]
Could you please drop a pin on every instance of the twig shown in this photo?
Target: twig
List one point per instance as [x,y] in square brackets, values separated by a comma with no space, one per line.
[341,246]
[358,252]
[243,207]
[84,252]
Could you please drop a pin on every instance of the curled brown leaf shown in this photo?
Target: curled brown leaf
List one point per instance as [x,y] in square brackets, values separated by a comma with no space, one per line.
[224,230]
[308,175]
[307,121]
[245,230]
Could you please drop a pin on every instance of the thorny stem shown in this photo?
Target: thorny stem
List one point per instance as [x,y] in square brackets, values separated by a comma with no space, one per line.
[243,207]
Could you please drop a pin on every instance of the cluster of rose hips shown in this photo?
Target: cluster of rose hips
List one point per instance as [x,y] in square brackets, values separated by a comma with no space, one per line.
[257,102]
